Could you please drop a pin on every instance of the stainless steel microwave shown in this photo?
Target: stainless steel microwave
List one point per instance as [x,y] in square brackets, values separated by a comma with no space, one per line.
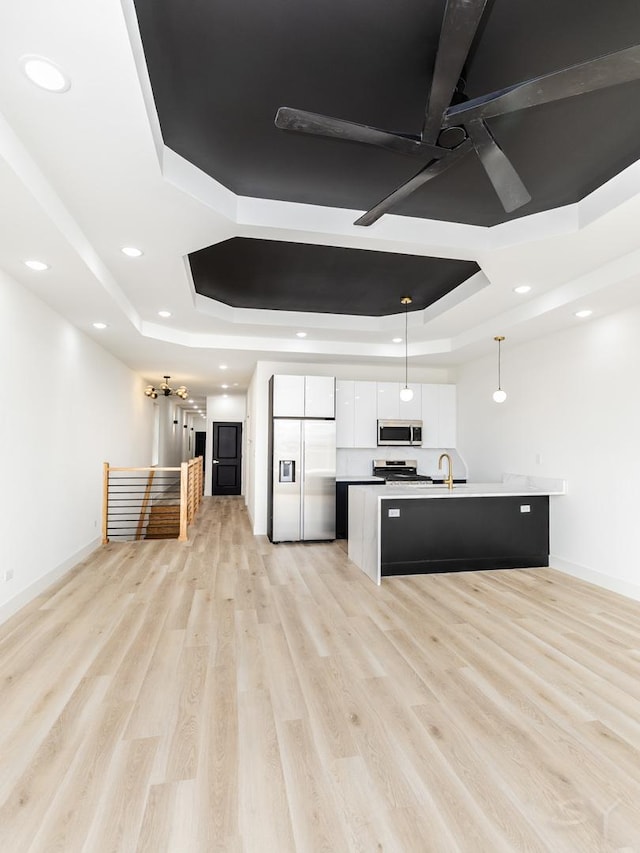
[399,433]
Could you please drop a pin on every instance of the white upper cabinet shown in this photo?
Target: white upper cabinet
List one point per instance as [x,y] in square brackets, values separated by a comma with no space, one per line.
[303,396]
[447,411]
[345,435]
[411,410]
[430,416]
[319,397]
[388,407]
[439,416]
[391,407]
[365,423]
[359,406]
[288,396]
[356,413]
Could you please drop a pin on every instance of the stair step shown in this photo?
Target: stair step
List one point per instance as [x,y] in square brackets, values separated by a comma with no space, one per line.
[164,522]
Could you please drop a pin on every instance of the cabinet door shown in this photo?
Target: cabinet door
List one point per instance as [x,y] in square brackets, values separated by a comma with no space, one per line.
[319,397]
[288,396]
[447,421]
[430,416]
[412,409]
[365,426]
[388,400]
[345,436]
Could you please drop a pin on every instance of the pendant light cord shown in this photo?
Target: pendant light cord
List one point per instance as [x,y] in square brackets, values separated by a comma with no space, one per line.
[406,346]
[499,386]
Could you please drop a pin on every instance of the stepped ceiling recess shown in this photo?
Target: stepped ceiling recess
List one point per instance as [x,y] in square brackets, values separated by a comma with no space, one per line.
[167,139]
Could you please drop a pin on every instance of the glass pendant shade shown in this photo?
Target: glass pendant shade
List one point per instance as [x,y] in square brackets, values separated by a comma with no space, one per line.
[499,396]
[406,394]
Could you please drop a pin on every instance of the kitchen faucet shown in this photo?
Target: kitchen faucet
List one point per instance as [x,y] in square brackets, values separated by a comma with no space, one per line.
[449,478]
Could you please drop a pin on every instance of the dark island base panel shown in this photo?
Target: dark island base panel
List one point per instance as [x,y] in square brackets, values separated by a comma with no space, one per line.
[430,567]
[464,534]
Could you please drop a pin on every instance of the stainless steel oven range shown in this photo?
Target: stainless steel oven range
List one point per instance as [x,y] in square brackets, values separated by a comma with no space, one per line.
[399,471]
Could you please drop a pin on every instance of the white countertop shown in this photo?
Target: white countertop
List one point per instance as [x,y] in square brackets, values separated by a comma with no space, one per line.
[461,490]
[366,478]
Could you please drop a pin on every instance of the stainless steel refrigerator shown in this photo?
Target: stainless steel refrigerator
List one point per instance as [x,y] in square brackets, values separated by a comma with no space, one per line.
[302,503]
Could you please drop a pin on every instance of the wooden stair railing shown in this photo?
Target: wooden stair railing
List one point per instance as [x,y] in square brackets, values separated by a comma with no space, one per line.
[151,503]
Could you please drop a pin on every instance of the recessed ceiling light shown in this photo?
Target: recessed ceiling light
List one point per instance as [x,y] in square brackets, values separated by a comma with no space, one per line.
[223,367]
[301,334]
[586,312]
[45,74]
[39,266]
[522,288]
[191,401]
[99,325]
[224,386]
[164,313]
[131,251]
[225,395]
[396,341]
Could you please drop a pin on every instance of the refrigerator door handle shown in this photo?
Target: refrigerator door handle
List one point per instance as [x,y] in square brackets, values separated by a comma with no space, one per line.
[287,471]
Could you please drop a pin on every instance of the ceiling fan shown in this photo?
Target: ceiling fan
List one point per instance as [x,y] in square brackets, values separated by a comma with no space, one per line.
[454,125]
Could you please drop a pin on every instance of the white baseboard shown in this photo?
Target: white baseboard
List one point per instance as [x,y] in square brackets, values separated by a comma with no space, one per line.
[40,585]
[630,590]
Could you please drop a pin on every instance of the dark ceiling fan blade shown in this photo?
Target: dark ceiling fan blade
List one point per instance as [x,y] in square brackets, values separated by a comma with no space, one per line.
[610,70]
[459,25]
[431,170]
[288,118]
[506,181]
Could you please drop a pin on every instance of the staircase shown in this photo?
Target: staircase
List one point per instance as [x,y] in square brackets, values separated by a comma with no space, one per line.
[164,522]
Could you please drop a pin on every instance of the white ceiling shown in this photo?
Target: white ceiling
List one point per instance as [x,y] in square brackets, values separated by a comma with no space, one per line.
[85,172]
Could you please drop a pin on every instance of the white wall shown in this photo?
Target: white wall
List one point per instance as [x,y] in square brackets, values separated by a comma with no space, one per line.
[233,408]
[258,416]
[573,411]
[68,407]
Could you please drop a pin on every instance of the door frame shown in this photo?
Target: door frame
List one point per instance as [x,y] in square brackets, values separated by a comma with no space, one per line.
[240,457]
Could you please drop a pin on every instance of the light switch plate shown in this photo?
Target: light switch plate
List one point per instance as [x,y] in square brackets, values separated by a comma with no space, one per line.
[525,508]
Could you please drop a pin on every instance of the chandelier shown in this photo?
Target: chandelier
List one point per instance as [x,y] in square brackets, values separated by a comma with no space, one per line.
[165,389]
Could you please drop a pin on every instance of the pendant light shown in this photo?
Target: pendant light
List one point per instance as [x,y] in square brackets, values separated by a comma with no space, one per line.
[406,393]
[499,395]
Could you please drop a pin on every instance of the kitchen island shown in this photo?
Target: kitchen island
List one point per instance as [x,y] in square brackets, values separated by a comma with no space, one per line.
[402,530]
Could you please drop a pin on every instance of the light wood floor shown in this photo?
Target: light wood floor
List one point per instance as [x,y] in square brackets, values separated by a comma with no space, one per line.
[231,695]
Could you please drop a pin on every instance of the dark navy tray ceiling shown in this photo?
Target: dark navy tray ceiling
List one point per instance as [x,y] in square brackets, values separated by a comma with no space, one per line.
[219,71]
[270,274]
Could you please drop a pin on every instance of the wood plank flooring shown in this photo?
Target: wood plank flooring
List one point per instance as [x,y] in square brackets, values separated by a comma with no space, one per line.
[229,695]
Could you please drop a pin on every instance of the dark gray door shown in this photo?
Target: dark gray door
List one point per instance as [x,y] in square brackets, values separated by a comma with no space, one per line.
[227,458]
